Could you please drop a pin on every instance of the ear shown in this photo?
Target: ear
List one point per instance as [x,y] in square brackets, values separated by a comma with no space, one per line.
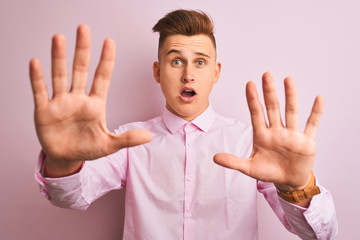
[156,71]
[217,71]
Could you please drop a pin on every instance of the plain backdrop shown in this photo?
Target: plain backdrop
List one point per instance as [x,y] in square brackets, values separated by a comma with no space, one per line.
[315,41]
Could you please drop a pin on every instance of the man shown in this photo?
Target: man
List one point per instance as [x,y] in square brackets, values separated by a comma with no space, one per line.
[173,188]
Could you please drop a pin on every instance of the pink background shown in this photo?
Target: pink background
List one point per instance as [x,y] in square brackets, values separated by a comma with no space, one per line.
[316,42]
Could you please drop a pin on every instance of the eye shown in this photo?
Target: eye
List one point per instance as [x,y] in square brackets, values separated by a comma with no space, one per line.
[177,62]
[200,63]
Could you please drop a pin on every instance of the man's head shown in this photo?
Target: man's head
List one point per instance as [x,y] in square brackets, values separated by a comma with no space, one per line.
[184,22]
[187,67]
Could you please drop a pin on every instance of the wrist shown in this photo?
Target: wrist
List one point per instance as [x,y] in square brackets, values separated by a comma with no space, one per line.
[291,188]
[56,168]
[300,195]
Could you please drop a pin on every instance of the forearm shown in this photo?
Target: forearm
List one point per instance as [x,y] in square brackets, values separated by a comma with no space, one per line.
[318,221]
[64,192]
[79,190]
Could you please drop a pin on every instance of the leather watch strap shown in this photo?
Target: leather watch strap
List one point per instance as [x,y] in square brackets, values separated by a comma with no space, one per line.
[300,195]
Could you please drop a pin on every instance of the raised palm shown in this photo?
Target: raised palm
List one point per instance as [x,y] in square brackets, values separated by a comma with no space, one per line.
[281,153]
[71,126]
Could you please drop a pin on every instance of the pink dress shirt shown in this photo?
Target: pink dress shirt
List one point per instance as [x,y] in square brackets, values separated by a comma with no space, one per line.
[174,190]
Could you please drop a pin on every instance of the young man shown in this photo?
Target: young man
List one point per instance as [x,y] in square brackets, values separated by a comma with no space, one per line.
[174,190]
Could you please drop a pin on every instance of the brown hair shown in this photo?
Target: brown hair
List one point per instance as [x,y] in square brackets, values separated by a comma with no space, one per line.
[184,22]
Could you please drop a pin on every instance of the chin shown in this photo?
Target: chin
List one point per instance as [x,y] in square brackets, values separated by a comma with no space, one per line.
[187,111]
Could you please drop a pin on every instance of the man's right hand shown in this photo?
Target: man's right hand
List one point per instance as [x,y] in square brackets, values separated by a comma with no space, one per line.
[71,126]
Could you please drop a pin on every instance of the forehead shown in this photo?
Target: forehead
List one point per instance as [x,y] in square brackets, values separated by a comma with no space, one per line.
[188,44]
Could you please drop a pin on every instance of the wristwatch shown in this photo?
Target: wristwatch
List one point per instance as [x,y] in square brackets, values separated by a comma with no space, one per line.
[300,195]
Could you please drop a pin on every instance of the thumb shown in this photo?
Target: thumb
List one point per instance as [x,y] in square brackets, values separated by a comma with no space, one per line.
[233,162]
[131,138]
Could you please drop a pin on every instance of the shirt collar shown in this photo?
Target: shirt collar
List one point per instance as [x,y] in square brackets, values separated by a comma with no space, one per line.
[203,121]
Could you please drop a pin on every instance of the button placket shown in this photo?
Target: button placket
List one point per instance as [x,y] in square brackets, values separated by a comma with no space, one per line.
[189,132]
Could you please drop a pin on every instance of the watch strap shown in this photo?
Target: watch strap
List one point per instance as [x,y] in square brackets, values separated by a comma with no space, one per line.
[300,195]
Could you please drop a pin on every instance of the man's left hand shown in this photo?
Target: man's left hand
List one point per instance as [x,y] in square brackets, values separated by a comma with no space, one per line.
[281,153]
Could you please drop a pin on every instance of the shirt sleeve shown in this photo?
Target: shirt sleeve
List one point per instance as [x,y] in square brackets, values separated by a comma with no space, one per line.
[318,221]
[95,179]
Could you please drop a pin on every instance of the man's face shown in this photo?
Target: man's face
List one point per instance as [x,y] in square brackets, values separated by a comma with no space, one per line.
[186,71]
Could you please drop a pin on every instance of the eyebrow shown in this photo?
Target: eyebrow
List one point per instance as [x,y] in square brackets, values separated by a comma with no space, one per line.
[179,52]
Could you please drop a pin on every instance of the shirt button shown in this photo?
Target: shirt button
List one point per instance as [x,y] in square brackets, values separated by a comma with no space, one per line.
[189,179]
[188,215]
[53,184]
[187,128]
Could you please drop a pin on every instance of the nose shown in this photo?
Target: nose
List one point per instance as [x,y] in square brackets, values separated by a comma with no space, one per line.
[189,75]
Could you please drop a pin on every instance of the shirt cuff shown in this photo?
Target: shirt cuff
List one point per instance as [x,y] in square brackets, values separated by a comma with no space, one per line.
[49,185]
[291,208]
[320,214]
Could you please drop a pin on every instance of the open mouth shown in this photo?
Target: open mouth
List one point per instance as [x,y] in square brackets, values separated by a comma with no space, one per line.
[187,94]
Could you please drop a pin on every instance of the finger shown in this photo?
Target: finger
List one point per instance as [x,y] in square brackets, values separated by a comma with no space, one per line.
[58,65]
[291,106]
[131,138]
[233,162]
[315,116]
[104,70]
[271,101]
[255,107]
[38,84]
[81,60]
